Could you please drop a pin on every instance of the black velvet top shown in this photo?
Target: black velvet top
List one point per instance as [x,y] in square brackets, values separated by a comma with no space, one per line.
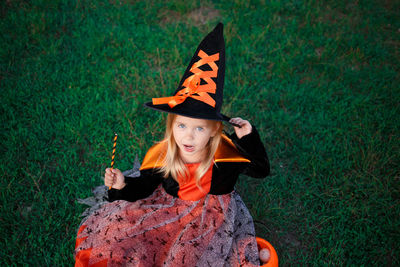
[224,174]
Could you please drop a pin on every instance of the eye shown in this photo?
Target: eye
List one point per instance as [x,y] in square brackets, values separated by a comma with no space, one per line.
[200,129]
[181,125]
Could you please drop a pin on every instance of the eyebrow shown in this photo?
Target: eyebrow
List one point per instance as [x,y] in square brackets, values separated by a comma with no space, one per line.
[198,125]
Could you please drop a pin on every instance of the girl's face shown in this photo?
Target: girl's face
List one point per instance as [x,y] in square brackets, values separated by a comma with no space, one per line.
[192,136]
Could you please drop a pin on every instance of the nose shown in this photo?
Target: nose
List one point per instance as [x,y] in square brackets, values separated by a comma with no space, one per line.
[190,134]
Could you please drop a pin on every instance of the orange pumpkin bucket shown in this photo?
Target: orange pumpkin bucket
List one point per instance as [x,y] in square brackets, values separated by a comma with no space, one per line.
[273,260]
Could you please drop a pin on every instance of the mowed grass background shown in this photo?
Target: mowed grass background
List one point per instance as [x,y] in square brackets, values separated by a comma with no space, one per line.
[319,79]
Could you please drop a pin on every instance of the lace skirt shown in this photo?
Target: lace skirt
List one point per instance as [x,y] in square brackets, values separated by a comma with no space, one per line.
[162,230]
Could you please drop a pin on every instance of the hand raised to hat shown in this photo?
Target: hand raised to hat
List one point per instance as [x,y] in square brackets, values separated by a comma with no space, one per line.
[245,127]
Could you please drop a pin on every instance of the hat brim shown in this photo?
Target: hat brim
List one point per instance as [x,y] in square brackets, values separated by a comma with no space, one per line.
[188,113]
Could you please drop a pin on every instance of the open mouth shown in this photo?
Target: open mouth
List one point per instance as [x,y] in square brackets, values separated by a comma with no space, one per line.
[188,148]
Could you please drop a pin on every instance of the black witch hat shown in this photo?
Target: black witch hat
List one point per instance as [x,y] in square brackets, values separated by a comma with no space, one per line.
[200,92]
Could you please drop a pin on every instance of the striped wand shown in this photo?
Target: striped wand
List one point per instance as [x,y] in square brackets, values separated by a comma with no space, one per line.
[113,152]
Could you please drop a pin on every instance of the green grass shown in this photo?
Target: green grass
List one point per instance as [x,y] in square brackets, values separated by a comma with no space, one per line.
[320,80]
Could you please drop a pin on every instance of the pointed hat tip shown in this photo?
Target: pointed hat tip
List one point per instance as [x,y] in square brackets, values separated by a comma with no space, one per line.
[219,27]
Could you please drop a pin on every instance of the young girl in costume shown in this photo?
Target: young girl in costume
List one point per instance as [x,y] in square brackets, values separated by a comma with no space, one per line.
[183,210]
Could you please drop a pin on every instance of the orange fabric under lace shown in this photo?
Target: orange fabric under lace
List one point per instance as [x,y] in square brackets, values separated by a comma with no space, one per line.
[189,190]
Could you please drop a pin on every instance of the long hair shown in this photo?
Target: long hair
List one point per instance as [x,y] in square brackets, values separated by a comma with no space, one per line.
[174,165]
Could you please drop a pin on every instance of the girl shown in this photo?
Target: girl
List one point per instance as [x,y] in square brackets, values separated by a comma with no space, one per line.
[183,210]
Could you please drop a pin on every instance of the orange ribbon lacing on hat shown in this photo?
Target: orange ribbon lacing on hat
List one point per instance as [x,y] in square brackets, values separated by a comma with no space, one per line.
[192,87]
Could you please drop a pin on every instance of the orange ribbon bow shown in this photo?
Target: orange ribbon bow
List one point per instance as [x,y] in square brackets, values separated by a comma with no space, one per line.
[192,87]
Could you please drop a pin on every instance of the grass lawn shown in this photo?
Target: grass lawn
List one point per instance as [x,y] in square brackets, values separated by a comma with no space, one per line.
[319,79]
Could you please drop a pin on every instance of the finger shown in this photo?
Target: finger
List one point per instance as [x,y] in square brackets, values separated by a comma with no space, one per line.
[236,118]
[110,179]
[234,122]
[107,181]
[239,121]
[108,171]
[244,122]
[235,125]
[108,176]
[110,182]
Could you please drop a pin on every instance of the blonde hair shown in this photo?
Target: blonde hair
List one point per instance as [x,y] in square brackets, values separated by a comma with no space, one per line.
[174,165]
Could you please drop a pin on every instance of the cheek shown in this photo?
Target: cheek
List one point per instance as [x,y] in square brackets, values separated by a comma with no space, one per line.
[178,135]
[175,134]
[204,140]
